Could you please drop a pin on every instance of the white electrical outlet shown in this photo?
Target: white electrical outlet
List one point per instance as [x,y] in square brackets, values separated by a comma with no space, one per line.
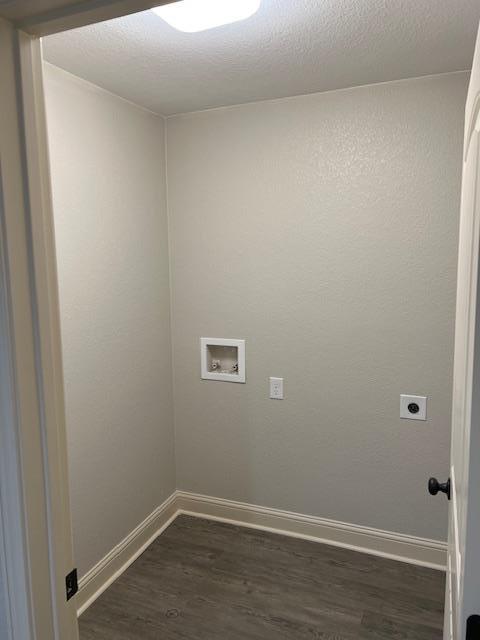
[413,407]
[276,388]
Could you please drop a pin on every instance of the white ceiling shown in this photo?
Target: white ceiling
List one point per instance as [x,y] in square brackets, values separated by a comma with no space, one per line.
[289,47]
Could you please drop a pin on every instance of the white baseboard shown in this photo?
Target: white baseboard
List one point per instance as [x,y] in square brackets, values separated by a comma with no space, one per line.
[397,546]
[101,576]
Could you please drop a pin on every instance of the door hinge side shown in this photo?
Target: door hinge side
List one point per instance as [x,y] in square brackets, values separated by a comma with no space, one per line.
[71,584]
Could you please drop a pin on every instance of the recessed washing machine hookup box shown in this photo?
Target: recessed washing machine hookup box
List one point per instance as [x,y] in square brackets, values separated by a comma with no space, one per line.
[223,359]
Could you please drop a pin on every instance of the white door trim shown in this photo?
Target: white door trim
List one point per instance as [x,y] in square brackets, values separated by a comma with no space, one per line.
[17,606]
[36,548]
[463,581]
[47,324]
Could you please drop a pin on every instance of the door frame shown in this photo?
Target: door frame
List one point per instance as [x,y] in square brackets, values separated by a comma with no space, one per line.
[35,528]
[34,499]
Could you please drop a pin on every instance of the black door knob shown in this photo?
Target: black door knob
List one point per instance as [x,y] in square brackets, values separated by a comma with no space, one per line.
[434,486]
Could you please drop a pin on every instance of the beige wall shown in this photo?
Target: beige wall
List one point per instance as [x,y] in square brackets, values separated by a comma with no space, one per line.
[110,220]
[323,230]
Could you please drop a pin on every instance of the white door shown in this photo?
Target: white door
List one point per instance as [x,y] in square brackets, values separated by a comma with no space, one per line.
[463,570]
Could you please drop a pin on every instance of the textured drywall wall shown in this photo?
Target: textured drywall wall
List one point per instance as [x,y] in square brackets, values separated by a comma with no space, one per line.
[323,230]
[108,177]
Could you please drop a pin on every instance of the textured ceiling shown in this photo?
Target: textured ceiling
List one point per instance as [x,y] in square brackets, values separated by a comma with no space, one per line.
[289,47]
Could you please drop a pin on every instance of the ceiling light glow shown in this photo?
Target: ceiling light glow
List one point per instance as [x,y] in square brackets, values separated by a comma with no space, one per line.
[191,16]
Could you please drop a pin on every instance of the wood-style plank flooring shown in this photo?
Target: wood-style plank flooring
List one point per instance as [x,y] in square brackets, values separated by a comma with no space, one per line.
[204,580]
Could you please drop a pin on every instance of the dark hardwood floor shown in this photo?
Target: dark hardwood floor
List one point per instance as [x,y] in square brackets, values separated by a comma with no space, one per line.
[213,581]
